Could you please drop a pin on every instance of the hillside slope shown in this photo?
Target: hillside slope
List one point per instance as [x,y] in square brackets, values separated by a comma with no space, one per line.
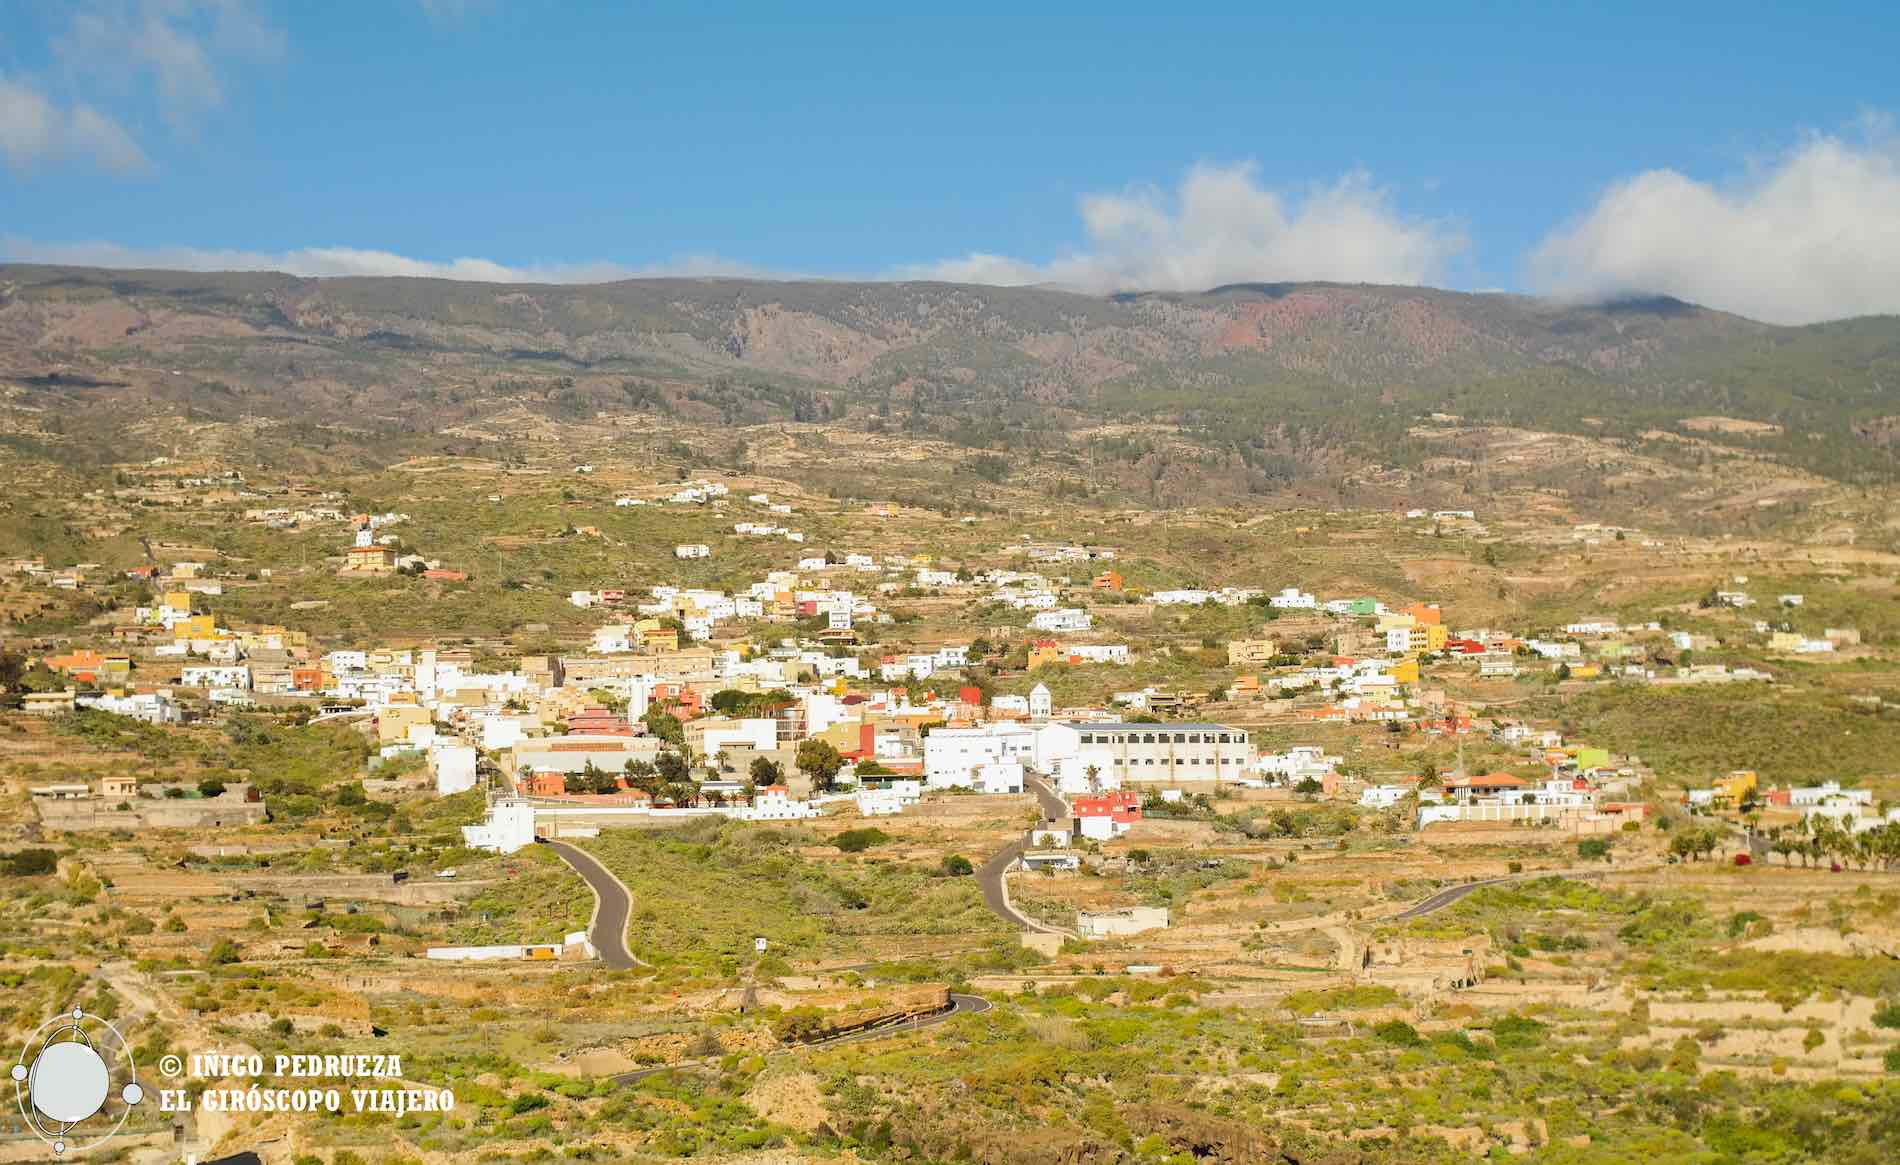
[1282,378]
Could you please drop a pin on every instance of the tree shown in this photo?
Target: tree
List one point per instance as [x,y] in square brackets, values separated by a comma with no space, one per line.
[1593,848]
[957,866]
[213,787]
[577,783]
[672,768]
[664,725]
[1308,787]
[641,775]
[765,771]
[820,761]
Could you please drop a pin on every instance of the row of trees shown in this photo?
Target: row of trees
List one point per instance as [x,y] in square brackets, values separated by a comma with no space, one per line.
[1813,839]
[668,777]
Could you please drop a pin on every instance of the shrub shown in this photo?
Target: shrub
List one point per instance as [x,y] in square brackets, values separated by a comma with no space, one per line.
[1592,849]
[1398,1032]
[1517,1031]
[222,952]
[29,863]
[855,841]
[1887,1015]
[957,866]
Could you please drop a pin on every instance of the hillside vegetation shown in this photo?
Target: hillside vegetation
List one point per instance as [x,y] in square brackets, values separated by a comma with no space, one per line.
[1272,384]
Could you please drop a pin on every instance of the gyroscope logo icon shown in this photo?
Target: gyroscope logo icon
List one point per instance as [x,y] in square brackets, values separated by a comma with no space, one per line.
[76,1081]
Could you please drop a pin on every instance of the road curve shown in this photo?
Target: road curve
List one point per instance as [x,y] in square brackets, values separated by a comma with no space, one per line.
[991,876]
[612,907]
[1054,808]
[989,879]
[960,1004]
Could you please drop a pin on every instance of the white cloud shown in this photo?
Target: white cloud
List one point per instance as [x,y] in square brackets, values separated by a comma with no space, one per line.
[1223,226]
[182,47]
[337,261]
[171,55]
[1814,234]
[36,130]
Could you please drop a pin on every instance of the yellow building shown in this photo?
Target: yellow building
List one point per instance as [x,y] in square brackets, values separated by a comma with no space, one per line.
[195,627]
[1405,671]
[1047,654]
[1736,785]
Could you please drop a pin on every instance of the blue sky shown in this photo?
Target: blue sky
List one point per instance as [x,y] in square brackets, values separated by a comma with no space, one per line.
[1593,149]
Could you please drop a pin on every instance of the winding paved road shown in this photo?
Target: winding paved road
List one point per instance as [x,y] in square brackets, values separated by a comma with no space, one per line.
[1054,808]
[990,877]
[612,907]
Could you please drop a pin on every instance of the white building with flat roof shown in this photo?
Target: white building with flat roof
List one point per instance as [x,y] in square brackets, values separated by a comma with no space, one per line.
[953,757]
[1151,754]
[508,827]
[454,768]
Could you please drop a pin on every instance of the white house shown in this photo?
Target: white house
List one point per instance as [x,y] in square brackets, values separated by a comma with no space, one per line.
[1061,619]
[1116,653]
[508,827]
[454,767]
[1293,598]
[1041,704]
[760,734]
[238,678]
[1803,796]
[692,550]
[1000,777]
[1008,705]
[611,639]
[775,803]
[953,757]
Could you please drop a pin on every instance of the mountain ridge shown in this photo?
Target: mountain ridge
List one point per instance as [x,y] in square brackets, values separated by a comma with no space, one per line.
[1279,367]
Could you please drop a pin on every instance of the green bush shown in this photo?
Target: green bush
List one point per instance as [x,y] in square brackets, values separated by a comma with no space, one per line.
[29,863]
[1398,1032]
[1518,1031]
[856,841]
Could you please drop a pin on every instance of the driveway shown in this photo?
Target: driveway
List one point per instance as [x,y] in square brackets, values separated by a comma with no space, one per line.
[612,907]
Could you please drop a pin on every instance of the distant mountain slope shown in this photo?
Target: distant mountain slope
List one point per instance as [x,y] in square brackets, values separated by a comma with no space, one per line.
[1274,371]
